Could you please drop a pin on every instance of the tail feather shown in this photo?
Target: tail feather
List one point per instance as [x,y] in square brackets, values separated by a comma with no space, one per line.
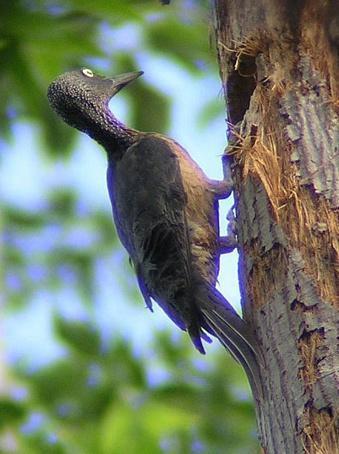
[221,320]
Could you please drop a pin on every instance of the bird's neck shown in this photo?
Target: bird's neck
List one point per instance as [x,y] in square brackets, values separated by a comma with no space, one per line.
[113,135]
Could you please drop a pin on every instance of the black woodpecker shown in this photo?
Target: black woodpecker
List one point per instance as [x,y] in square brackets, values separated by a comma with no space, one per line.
[166,214]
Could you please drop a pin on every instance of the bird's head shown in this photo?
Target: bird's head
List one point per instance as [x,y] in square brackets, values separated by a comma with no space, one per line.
[81,97]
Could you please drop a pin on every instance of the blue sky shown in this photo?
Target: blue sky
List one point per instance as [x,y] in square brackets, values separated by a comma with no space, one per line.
[27,176]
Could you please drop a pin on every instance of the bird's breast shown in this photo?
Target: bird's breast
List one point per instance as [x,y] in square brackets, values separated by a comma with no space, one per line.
[201,214]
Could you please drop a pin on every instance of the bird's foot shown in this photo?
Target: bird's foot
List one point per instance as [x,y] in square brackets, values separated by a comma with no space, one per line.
[222,189]
[229,242]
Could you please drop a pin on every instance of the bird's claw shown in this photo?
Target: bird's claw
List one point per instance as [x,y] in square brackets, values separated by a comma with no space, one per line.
[229,242]
[222,189]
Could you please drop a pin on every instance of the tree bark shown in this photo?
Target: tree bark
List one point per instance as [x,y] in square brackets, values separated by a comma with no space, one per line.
[279,67]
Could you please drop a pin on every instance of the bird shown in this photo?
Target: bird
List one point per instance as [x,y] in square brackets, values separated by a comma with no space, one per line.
[166,214]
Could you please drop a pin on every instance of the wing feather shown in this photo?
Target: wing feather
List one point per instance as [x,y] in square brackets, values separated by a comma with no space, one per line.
[149,201]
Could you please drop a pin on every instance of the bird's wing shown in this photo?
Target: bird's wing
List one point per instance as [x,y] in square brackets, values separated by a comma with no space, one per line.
[149,206]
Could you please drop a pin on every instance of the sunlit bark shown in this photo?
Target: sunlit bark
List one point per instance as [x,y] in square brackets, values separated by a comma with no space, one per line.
[279,67]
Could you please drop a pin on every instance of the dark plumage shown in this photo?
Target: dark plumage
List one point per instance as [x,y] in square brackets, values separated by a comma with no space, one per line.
[166,214]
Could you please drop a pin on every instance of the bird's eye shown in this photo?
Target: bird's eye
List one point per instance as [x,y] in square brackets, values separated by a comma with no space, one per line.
[87,72]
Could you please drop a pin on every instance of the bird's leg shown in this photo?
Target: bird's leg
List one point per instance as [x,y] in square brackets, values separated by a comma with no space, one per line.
[229,242]
[221,189]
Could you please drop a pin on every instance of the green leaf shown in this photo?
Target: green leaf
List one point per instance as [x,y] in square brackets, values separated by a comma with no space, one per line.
[163,419]
[22,220]
[58,383]
[186,43]
[150,108]
[122,365]
[62,203]
[122,431]
[210,112]
[82,261]
[128,10]
[82,337]
[11,412]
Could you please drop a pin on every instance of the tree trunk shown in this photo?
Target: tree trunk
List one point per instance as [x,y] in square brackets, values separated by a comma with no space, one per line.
[279,66]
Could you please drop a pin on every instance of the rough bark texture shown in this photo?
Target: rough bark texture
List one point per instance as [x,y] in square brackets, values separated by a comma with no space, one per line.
[279,65]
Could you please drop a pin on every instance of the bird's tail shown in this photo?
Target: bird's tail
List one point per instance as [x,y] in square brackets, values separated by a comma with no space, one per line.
[220,319]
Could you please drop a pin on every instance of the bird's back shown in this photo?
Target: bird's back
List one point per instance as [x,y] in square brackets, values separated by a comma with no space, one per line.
[201,213]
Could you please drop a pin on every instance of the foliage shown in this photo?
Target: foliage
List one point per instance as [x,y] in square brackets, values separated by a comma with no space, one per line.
[107,403]
[100,395]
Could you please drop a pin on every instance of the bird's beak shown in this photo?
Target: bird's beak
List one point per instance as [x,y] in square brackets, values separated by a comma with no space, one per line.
[119,82]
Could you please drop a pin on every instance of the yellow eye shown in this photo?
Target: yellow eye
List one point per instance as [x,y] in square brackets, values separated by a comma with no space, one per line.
[87,72]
